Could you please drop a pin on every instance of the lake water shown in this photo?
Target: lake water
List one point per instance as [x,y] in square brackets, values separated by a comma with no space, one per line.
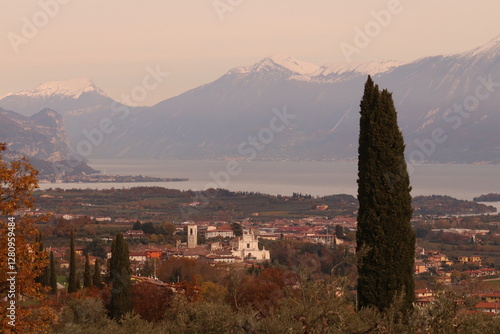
[287,177]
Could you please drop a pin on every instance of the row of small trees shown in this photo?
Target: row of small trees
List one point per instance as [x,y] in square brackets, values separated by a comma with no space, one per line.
[89,279]
[49,274]
[119,276]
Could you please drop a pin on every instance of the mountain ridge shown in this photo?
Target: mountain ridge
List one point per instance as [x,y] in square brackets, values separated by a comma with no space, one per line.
[41,135]
[212,120]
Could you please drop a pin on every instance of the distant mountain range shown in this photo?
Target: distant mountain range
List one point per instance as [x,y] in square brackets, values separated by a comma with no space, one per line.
[41,135]
[80,102]
[42,138]
[448,107]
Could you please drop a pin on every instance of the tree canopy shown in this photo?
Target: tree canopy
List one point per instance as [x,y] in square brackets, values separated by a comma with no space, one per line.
[19,235]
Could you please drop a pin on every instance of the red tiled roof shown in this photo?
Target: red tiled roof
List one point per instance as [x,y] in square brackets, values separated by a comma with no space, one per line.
[423,291]
[493,294]
[488,305]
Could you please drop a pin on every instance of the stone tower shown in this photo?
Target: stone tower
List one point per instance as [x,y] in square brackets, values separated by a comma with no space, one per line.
[192,237]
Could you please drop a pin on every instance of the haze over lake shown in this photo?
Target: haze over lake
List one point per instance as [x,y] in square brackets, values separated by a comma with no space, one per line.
[286,177]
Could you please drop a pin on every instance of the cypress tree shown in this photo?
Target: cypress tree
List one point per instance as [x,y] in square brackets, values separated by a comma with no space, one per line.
[53,274]
[78,284]
[119,275]
[44,277]
[385,238]
[96,278]
[87,275]
[72,287]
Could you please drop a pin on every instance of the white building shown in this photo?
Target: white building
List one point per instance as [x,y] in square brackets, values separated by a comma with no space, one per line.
[103,219]
[223,232]
[247,247]
[138,257]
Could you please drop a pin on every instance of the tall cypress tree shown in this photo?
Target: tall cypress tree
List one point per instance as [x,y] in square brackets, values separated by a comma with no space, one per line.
[385,238]
[78,284]
[87,274]
[53,274]
[96,278]
[119,275]
[44,277]
[72,280]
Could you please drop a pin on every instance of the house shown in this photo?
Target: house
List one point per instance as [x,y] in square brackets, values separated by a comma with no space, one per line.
[224,231]
[473,273]
[134,234]
[420,293]
[488,307]
[431,265]
[475,259]
[269,236]
[154,253]
[103,219]
[221,256]
[327,239]
[420,267]
[194,252]
[470,259]
[440,259]
[214,258]
[140,257]
[487,271]
[491,297]
[64,263]
[443,277]
[92,259]
[424,296]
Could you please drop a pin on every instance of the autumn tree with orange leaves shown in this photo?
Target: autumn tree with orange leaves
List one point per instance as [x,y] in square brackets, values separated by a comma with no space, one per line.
[21,297]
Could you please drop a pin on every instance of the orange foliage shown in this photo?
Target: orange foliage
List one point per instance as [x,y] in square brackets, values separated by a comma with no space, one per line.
[32,311]
[182,269]
[264,291]
[190,290]
[151,301]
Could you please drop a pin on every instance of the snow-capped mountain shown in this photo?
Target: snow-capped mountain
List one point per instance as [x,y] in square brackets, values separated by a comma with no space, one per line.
[485,53]
[217,119]
[455,96]
[276,63]
[63,96]
[345,71]
[80,102]
[72,88]
[292,68]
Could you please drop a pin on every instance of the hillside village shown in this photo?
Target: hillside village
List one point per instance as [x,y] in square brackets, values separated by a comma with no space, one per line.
[243,244]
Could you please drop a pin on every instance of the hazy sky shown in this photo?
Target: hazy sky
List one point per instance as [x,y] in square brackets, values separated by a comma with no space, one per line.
[112,42]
